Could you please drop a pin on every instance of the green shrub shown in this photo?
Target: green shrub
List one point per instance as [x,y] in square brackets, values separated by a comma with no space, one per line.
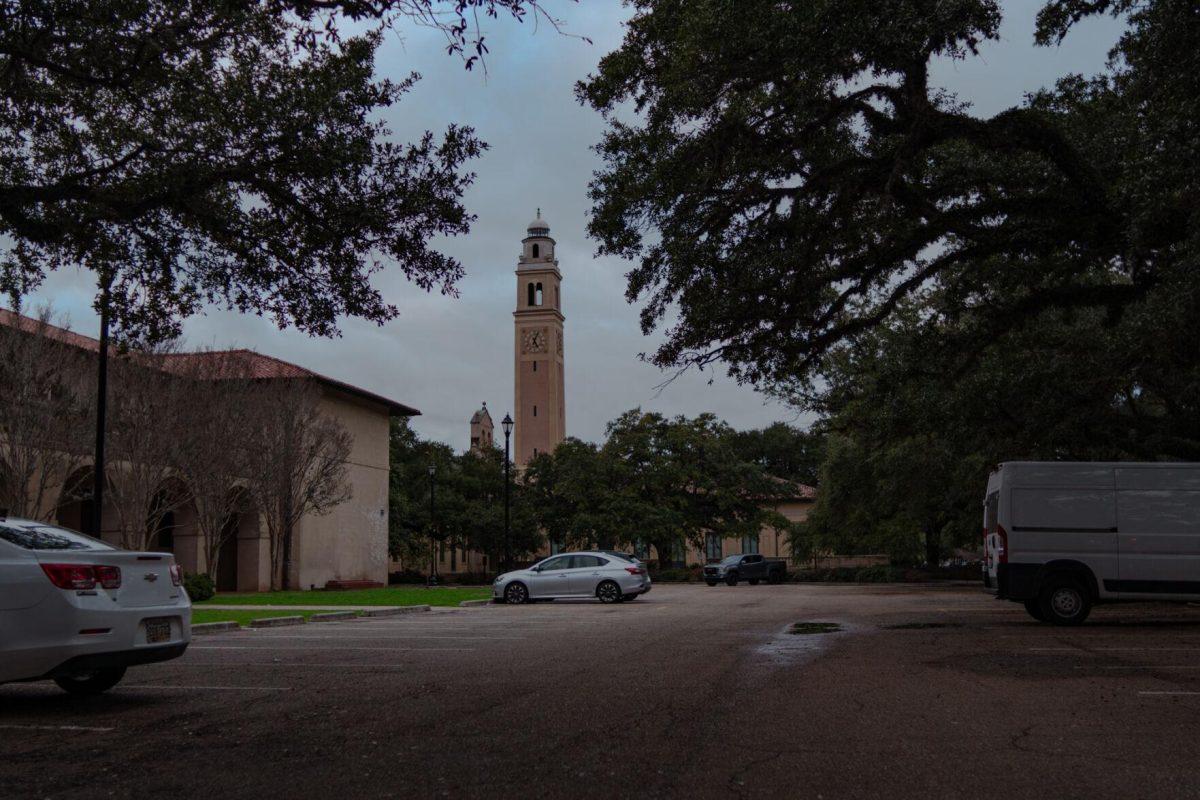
[199,587]
[471,578]
[879,573]
[406,576]
[683,575]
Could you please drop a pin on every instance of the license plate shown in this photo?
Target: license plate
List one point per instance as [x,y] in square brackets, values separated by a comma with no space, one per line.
[158,630]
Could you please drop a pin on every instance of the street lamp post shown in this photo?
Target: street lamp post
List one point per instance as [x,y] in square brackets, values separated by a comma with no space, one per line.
[432,544]
[507,425]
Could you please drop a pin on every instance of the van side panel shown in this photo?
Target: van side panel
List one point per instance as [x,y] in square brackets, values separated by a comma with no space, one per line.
[1159,516]
[1061,513]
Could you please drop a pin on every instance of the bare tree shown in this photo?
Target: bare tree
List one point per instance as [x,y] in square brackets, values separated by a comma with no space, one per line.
[43,411]
[146,428]
[296,465]
[220,410]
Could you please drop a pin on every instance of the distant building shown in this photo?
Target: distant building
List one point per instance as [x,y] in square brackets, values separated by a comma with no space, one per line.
[481,431]
[539,402]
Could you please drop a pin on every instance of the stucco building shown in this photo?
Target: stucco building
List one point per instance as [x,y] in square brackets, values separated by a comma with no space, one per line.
[348,545]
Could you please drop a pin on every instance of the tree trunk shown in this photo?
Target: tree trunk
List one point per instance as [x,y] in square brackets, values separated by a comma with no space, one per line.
[933,550]
[286,580]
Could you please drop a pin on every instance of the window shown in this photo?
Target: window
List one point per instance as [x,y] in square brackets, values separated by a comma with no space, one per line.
[535,251]
[535,411]
[749,544]
[48,537]
[712,547]
[562,562]
[585,562]
[538,294]
[530,295]
[535,366]
[556,300]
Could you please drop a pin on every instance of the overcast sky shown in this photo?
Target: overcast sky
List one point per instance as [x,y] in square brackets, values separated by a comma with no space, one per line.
[445,356]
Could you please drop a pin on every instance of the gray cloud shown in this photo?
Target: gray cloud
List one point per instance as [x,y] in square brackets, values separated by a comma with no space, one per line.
[446,355]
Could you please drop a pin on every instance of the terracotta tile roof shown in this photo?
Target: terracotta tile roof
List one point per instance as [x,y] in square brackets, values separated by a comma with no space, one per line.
[11,319]
[245,364]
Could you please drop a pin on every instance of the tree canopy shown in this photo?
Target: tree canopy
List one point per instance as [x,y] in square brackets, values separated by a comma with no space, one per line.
[215,151]
[791,176]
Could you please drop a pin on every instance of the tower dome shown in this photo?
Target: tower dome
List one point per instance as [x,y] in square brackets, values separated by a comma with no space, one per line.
[539,226]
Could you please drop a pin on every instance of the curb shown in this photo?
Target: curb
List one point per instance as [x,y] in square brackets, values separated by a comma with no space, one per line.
[214,627]
[332,616]
[275,622]
[392,612]
[475,603]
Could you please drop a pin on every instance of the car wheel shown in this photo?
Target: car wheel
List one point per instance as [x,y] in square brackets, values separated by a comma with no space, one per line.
[1034,607]
[1064,601]
[711,583]
[731,579]
[91,683]
[608,592]
[753,581]
[516,593]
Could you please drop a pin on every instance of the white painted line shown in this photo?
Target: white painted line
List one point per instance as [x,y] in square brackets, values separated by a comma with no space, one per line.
[389,636]
[1144,666]
[289,664]
[1081,649]
[82,728]
[210,688]
[307,648]
[1170,694]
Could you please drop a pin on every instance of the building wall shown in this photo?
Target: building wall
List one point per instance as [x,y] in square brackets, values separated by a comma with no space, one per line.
[350,542]
[771,543]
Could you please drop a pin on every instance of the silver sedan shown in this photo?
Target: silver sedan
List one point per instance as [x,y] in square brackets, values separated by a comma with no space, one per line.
[605,576]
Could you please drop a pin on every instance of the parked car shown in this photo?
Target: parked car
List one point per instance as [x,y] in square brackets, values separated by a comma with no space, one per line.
[751,568]
[1060,537]
[79,612]
[592,573]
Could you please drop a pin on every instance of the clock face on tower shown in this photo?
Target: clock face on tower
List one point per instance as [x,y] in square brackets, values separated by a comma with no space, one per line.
[533,340]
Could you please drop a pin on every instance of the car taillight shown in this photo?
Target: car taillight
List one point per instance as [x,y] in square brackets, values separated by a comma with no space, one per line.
[176,575]
[1002,548]
[635,570]
[70,576]
[108,577]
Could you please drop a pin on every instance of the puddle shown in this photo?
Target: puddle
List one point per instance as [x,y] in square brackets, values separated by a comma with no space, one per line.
[800,643]
[804,628]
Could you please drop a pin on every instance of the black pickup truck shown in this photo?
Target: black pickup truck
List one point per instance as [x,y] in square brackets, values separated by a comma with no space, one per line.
[750,568]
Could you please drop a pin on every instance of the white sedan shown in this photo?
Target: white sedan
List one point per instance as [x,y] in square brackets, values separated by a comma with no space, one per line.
[78,611]
[607,576]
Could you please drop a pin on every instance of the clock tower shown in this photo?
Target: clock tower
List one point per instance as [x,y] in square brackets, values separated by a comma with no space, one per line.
[540,413]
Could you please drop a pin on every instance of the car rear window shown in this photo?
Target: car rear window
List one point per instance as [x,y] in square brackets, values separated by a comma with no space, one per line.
[49,537]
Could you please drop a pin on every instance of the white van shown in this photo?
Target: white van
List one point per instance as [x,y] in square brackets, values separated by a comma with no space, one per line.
[1062,536]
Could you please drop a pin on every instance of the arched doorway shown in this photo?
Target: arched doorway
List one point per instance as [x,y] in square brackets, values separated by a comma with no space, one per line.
[75,506]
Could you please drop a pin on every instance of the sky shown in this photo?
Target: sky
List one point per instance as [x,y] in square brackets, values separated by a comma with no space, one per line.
[446,356]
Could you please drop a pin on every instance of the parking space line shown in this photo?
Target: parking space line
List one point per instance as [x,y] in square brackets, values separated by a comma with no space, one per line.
[80,728]
[167,688]
[1115,649]
[283,664]
[389,636]
[1140,666]
[307,648]
[1169,694]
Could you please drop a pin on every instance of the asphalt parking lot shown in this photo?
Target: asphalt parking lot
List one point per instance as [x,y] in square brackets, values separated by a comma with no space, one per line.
[690,691]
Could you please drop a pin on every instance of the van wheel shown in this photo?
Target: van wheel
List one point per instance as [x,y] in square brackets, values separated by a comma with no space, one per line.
[1034,607]
[1064,601]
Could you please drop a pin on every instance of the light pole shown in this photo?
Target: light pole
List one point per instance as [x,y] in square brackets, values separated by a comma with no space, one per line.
[432,544]
[507,425]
